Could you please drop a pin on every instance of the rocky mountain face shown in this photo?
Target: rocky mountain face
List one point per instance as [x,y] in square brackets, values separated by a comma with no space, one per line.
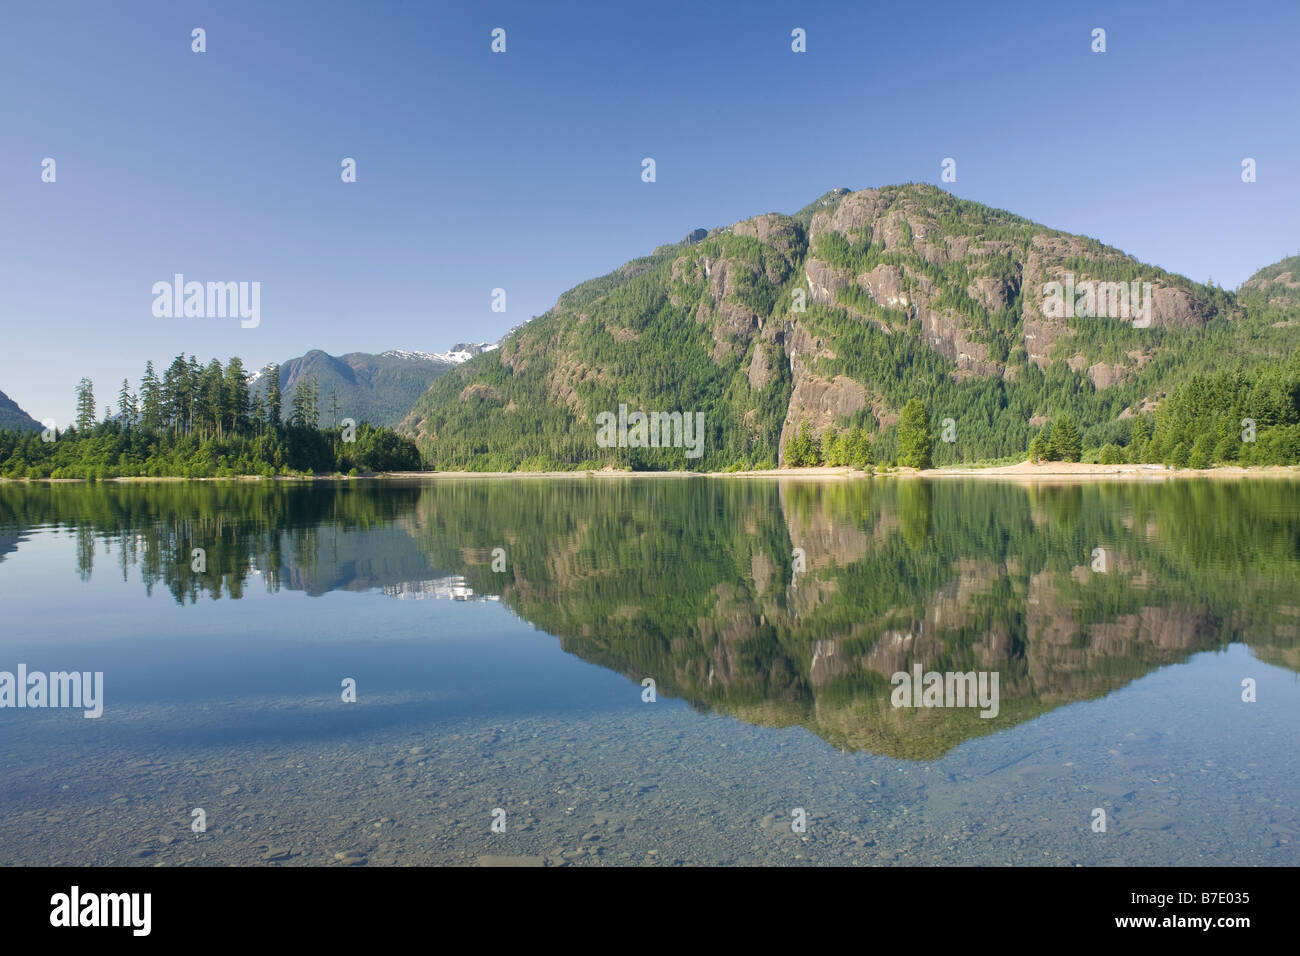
[14,418]
[972,280]
[834,317]
[1276,286]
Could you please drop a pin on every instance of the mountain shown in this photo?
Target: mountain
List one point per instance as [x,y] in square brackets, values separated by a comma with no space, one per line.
[376,388]
[835,317]
[14,418]
[461,352]
[1275,287]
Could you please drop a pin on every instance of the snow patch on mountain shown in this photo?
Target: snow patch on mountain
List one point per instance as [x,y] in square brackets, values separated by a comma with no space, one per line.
[458,353]
[461,352]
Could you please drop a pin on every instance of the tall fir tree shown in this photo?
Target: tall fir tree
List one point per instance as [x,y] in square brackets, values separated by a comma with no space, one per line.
[274,400]
[126,404]
[85,405]
[304,403]
[150,398]
[914,445]
[234,393]
[1066,442]
[176,396]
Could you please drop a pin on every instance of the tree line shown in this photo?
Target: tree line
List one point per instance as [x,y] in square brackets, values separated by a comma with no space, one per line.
[206,399]
[1236,417]
[203,421]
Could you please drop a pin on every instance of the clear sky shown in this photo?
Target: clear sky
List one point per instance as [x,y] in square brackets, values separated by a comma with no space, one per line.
[522,170]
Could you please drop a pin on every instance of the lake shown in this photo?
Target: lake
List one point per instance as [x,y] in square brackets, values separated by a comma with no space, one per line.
[658,671]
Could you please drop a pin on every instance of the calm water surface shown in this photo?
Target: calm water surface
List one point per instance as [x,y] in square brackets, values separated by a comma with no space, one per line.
[1121,620]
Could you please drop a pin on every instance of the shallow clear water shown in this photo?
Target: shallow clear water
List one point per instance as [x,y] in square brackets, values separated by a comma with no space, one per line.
[1121,620]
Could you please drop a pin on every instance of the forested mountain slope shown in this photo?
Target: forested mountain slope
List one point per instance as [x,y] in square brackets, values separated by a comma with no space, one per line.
[835,317]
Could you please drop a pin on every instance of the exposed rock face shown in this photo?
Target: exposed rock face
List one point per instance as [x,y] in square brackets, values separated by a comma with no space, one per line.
[479,390]
[1173,308]
[794,303]
[825,282]
[854,212]
[1003,273]
[1104,376]
[731,322]
[1000,272]
[827,400]
[762,367]
[945,334]
[1278,286]
[992,292]
[815,400]
[885,285]
[781,232]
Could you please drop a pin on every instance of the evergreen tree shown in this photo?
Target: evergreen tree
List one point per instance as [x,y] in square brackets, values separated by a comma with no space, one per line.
[234,398]
[858,450]
[304,403]
[150,398]
[85,405]
[175,398]
[273,397]
[193,375]
[257,410]
[1066,442]
[801,451]
[1050,451]
[208,406]
[830,447]
[126,404]
[1138,442]
[334,407]
[914,435]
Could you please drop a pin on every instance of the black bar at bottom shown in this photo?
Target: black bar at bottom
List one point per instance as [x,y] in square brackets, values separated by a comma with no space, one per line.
[213,906]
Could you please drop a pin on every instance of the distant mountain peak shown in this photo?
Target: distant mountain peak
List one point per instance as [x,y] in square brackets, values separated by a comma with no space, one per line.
[458,353]
[14,418]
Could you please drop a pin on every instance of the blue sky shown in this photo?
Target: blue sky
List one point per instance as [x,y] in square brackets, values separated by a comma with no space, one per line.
[522,170]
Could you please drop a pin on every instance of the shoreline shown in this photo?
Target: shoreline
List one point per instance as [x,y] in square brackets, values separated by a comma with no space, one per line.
[1054,472]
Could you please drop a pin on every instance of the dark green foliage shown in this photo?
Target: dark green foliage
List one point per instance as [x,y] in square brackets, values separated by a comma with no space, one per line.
[196,423]
[85,405]
[914,436]
[1233,417]
[274,397]
[1064,443]
[801,451]
[652,334]
[1239,417]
